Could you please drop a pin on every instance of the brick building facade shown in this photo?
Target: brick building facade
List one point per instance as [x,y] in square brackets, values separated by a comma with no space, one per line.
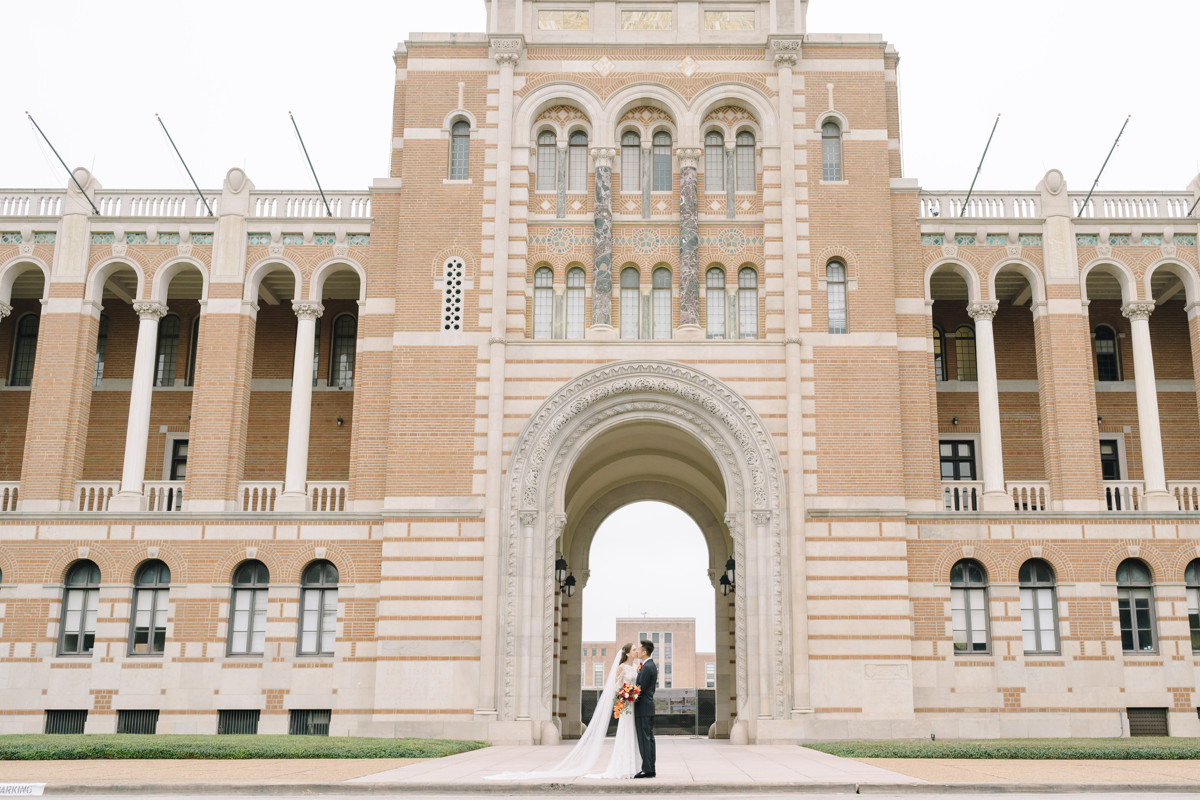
[293,458]
[674,639]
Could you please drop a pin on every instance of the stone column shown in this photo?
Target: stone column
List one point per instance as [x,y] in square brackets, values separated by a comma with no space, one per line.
[137,432]
[995,498]
[295,482]
[560,181]
[1149,432]
[689,245]
[602,278]
[731,179]
[647,177]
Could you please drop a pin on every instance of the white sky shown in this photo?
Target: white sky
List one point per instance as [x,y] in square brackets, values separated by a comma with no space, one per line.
[224,73]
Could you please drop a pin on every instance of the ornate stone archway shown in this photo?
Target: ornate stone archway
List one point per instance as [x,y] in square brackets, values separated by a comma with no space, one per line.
[723,423]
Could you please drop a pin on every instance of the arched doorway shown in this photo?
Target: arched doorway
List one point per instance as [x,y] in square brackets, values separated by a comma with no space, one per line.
[634,424]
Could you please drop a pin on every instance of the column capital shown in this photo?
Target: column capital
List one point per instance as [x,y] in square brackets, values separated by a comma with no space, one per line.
[603,156]
[5,310]
[308,310]
[689,156]
[985,311]
[785,52]
[1139,310]
[528,518]
[507,50]
[149,310]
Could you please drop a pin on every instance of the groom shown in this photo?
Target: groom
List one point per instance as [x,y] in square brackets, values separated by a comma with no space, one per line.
[643,709]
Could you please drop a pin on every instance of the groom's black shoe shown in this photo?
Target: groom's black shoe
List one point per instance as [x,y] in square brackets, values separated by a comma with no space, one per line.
[643,775]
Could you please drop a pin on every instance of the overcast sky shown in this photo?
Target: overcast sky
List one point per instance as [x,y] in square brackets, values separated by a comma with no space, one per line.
[224,73]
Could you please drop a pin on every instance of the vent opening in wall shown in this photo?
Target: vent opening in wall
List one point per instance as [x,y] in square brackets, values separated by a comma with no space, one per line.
[237,722]
[65,721]
[309,722]
[1147,721]
[452,295]
[141,721]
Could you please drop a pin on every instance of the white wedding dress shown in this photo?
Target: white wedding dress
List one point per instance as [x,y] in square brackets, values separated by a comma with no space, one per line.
[625,761]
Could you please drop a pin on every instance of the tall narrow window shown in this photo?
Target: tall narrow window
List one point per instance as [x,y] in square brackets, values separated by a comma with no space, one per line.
[1135,605]
[831,151]
[661,296]
[193,346]
[341,351]
[248,609]
[101,346]
[178,466]
[148,628]
[1108,362]
[747,171]
[318,609]
[964,354]
[460,151]
[714,162]
[969,607]
[939,354]
[835,288]
[631,162]
[747,303]
[1110,460]
[316,349]
[81,598]
[167,351]
[24,351]
[1039,609]
[543,303]
[575,302]
[1191,577]
[547,161]
[577,155]
[714,302]
[662,162]
[630,301]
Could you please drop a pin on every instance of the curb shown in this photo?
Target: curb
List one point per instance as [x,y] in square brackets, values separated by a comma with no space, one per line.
[623,787]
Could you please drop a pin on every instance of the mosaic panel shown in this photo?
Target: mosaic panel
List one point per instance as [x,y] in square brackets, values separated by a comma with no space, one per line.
[10,237]
[1152,238]
[293,238]
[997,239]
[1188,239]
[1119,239]
[324,238]
[964,238]
[137,238]
[1030,240]
[259,238]
[646,240]
[358,239]
[103,238]
[207,238]
[933,239]
[1087,239]
[732,241]
[168,238]
[560,240]
[44,237]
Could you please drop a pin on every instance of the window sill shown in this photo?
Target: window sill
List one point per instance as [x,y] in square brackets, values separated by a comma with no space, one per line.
[453,182]
[833,183]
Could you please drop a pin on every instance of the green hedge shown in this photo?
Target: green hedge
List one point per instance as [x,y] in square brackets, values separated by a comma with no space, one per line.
[41,747]
[1140,748]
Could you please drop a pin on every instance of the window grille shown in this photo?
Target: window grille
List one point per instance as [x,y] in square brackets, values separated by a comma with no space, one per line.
[747,303]
[460,151]
[81,597]
[140,722]
[661,292]
[101,346]
[237,722]
[831,151]
[148,633]
[341,351]
[547,160]
[969,607]
[835,287]
[577,156]
[65,721]
[662,162]
[1135,606]
[630,301]
[25,351]
[452,294]
[1147,721]
[575,302]
[543,303]
[631,162]
[248,609]
[309,722]
[747,170]
[714,162]
[964,354]
[318,608]
[1039,609]
[714,302]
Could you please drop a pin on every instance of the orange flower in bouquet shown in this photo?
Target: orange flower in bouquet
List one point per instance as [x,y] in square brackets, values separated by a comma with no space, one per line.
[627,695]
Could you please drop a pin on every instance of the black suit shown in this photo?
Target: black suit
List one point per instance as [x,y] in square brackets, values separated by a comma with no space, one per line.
[643,714]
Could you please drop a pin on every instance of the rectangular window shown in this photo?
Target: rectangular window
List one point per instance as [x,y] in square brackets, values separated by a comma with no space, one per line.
[577,168]
[662,167]
[836,294]
[318,621]
[662,313]
[654,638]
[149,621]
[647,20]
[747,171]
[964,355]
[237,722]
[958,460]
[1136,609]
[667,669]
[603,652]
[630,298]
[547,166]
[79,621]
[631,168]
[667,637]
[728,20]
[141,722]
[543,312]
[714,305]
[179,452]
[309,722]
[563,20]
[65,722]
[710,676]
[1193,602]
[1110,460]
[1038,628]
[248,636]
[968,612]
[714,168]
[667,684]
[597,674]
[666,651]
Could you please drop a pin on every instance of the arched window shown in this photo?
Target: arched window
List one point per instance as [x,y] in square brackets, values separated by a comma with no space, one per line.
[576,279]
[81,599]
[1135,606]
[747,303]
[1108,361]
[662,162]
[747,171]
[1191,577]
[964,354]
[460,151]
[630,302]
[248,609]
[714,302]
[148,628]
[661,302]
[969,607]
[835,290]
[831,151]
[101,346]
[543,303]
[24,351]
[939,354]
[167,351]
[631,162]
[341,351]
[714,162]
[318,609]
[577,155]
[193,346]
[547,160]
[1039,607]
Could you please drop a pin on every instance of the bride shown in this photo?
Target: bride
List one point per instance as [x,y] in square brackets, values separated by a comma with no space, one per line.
[625,760]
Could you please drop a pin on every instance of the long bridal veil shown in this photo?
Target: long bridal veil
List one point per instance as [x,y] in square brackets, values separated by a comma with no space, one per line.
[586,752]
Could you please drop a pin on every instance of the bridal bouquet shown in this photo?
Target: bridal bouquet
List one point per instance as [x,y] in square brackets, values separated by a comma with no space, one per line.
[626,695]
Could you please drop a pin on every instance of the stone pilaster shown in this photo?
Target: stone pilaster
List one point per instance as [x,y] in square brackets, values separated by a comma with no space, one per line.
[689,243]
[602,279]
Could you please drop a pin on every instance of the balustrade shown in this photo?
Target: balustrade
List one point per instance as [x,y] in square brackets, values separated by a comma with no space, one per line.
[328,495]
[164,495]
[31,204]
[1029,495]
[10,493]
[1027,205]
[962,495]
[1186,493]
[259,495]
[187,204]
[1123,495]
[95,495]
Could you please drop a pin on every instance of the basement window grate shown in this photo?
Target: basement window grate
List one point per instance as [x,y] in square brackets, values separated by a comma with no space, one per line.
[237,722]
[140,721]
[1147,721]
[309,722]
[65,721]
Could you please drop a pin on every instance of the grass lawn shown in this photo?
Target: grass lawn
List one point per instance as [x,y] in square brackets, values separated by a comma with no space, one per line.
[1139,748]
[42,747]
